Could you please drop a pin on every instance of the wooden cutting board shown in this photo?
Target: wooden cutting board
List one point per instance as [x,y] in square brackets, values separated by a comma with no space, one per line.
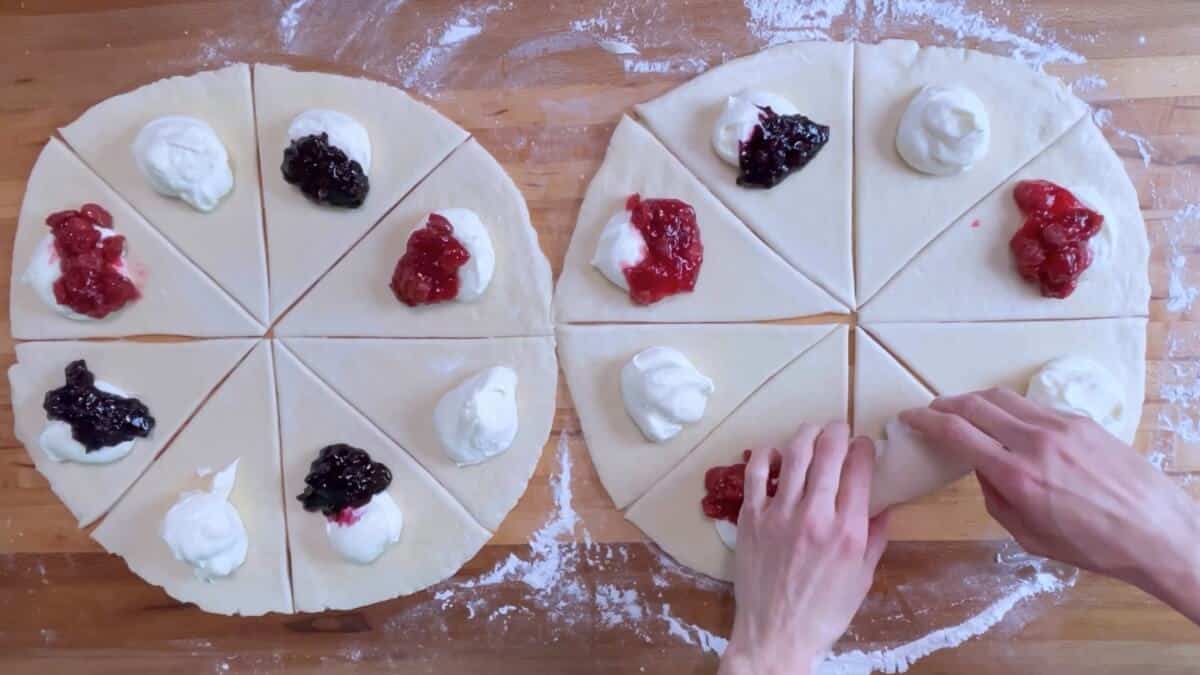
[529,81]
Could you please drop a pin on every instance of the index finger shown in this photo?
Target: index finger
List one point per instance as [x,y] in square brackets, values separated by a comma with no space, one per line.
[854,491]
[960,439]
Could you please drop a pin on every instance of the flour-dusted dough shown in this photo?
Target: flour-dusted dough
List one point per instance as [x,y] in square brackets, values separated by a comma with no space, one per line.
[741,279]
[738,359]
[355,299]
[439,535]
[171,378]
[813,388]
[898,210]
[956,358]
[397,383]
[177,298]
[238,423]
[408,139]
[226,243]
[968,273]
[806,218]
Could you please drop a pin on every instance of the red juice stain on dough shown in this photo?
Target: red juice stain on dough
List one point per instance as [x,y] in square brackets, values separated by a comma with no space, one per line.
[428,271]
[1051,248]
[674,251]
[93,282]
[725,488]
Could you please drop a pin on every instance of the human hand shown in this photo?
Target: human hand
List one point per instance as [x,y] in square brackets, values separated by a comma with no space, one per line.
[1067,489]
[805,557]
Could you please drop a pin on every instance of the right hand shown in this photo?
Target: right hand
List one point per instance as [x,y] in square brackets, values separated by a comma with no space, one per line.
[1067,489]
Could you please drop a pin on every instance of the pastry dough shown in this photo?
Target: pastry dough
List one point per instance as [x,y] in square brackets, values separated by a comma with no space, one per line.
[737,358]
[408,140]
[355,299]
[957,358]
[882,387]
[177,298]
[171,378]
[813,388]
[238,423]
[439,535]
[226,243]
[899,210]
[806,218]
[740,280]
[968,274]
[397,383]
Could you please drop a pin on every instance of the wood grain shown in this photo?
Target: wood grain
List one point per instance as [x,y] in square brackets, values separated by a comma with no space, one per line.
[543,99]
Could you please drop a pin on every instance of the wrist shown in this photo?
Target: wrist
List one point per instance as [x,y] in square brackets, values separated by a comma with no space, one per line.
[1174,577]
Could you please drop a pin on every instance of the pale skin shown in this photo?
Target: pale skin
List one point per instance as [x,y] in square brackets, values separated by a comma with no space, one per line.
[1064,487]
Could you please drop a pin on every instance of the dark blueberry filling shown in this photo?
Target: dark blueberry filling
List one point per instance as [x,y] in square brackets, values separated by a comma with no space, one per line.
[98,419]
[324,173]
[779,145]
[342,477]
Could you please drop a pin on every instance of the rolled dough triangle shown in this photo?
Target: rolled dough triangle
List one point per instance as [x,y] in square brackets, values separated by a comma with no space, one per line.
[439,535]
[171,378]
[397,383]
[227,243]
[740,280]
[238,423]
[882,387]
[738,358]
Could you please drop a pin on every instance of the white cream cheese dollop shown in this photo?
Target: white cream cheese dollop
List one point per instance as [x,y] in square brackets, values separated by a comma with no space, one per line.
[45,269]
[943,131]
[377,526]
[474,276]
[727,531]
[1078,385]
[60,446]
[477,420]
[739,117]
[621,245]
[663,392]
[1104,244]
[183,157]
[204,530]
[345,133]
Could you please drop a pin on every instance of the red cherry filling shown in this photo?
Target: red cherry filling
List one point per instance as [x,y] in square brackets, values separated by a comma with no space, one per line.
[1051,248]
[92,281]
[725,488]
[428,270]
[674,251]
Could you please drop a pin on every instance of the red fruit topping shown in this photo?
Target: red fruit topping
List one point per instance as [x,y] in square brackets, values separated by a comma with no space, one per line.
[428,270]
[346,517]
[1051,248]
[725,488]
[674,251]
[92,282]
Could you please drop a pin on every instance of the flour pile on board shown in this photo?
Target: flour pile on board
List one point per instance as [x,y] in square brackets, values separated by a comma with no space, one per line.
[777,22]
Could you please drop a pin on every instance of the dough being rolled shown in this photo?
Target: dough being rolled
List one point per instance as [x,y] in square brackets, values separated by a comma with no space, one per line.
[907,468]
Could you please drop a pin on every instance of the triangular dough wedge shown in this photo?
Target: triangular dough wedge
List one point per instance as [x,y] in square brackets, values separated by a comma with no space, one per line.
[968,273]
[955,358]
[397,383]
[738,358]
[408,139]
[354,298]
[882,387]
[740,280]
[227,243]
[171,378]
[238,423]
[439,535]
[806,218]
[813,388]
[898,210]
[177,298]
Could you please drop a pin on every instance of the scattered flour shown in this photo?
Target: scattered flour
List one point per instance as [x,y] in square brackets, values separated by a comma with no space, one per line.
[1088,83]
[692,635]
[1104,119]
[777,22]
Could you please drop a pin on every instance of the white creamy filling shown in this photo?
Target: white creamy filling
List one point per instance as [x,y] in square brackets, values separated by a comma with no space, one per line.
[182,157]
[60,446]
[45,269]
[1078,385]
[204,530]
[663,392]
[1104,244]
[345,133]
[478,419]
[621,246]
[740,116]
[474,276]
[944,131]
[378,526]
[727,531]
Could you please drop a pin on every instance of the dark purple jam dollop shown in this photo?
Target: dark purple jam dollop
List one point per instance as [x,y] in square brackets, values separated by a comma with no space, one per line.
[98,419]
[342,477]
[779,145]
[324,173]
